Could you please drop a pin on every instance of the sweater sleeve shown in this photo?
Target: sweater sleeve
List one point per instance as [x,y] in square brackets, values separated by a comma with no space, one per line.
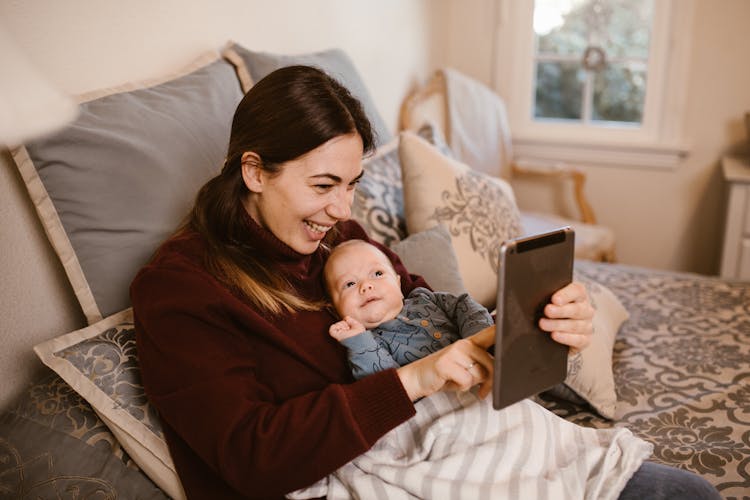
[202,375]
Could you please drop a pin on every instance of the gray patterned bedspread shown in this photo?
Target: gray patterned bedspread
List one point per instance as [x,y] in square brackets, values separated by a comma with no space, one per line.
[682,371]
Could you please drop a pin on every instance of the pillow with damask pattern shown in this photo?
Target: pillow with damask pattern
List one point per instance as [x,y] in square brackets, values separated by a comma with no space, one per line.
[52,443]
[100,363]
[379,199]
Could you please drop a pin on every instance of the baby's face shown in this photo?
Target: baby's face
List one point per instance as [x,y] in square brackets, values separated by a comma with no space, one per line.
[363,284]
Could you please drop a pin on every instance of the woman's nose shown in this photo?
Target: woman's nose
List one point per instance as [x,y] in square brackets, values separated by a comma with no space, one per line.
[340,207]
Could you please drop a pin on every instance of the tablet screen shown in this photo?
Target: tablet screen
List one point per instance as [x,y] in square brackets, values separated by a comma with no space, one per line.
[527,360]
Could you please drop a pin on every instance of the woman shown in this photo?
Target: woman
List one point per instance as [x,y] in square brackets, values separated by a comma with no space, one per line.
[255,397]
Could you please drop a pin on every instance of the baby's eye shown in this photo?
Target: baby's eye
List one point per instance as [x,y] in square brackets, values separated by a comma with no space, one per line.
[379,273]
[349,284]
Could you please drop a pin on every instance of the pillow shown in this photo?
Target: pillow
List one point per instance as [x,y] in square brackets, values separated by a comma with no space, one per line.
[379,198]
[590,375]
[479,211]
[430,254]
[38,462]
[252,66]
[115,183]
[53,443]
[99,362]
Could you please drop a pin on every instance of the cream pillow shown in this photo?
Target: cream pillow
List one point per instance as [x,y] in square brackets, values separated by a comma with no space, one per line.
[590,373]
[479,211]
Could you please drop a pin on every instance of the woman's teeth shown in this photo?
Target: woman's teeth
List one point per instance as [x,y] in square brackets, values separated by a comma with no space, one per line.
[316,227]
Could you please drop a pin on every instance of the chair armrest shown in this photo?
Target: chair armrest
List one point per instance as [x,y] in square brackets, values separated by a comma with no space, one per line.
[560,171]
[417,103]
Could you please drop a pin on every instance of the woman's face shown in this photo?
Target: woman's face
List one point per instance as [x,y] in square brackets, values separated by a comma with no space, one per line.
[309,195]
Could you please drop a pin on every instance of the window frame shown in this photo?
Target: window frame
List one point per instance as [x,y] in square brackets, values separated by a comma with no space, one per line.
[658,142]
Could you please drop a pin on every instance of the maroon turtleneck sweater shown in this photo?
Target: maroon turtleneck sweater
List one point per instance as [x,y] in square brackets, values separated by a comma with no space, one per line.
[254,405]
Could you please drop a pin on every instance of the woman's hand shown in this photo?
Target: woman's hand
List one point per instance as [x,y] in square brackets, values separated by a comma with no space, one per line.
[568,317]
[459,366]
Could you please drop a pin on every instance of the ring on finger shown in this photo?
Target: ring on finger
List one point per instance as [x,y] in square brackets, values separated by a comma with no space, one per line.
[470,365]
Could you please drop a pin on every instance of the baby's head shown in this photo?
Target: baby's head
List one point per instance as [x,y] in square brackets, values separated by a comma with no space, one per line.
[362,283]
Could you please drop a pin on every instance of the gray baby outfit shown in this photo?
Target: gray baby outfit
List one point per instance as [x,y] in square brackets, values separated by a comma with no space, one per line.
[428,322]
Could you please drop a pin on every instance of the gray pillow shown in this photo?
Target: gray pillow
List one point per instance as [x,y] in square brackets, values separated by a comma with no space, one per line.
[54,445]
[335,62]
[115,183]
[430,254]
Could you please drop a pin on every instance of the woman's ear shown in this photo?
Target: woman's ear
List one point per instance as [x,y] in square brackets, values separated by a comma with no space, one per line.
[252,171]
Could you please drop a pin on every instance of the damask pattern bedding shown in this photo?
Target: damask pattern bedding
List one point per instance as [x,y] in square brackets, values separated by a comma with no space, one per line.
[682,371]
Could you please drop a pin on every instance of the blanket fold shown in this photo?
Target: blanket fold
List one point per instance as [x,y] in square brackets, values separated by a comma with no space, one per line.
[458,446]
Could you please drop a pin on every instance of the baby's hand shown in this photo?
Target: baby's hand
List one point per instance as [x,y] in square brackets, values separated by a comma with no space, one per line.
[348,327]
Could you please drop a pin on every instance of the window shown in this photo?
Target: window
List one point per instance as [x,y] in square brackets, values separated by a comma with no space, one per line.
[594,75]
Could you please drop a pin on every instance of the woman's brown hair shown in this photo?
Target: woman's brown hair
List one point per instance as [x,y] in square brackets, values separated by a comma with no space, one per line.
[285,115]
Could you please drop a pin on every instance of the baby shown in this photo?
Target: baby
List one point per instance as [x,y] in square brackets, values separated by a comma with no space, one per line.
[381,329]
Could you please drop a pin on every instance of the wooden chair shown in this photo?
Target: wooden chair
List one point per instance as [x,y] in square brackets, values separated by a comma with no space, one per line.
[429,104]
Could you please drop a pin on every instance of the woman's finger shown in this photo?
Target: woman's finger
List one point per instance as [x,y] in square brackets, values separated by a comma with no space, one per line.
[576,341]
[573,292]
[484,338]
[575,326]
[571,310]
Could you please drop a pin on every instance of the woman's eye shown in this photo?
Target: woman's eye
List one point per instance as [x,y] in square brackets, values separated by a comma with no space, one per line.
[323,187]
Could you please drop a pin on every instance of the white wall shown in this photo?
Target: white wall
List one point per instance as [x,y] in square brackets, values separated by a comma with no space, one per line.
[84,45]
[667,219]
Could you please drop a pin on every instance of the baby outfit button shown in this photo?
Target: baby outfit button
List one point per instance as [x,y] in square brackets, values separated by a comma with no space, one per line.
[437,335]
[425,322]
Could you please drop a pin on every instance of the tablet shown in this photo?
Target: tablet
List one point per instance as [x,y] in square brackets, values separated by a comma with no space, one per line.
[527,360]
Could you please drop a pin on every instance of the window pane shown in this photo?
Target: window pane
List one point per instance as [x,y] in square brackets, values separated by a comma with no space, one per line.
[627,28]
[557,30]
[619,93]
[559,90]
[566,27]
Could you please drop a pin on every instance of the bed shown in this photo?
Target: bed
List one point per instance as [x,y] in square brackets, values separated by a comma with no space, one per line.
[673,349]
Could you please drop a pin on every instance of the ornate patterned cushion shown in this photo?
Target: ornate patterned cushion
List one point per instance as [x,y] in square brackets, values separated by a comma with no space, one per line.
[52,443]
[379,199]
[99,362]
[479,211]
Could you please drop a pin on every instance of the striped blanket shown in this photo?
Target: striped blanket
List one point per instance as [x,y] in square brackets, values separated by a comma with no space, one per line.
[458,446]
